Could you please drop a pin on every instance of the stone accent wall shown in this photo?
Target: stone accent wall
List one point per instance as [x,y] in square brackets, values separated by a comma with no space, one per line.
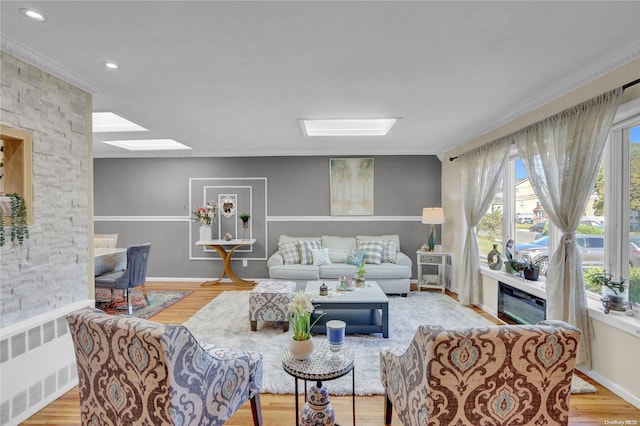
[50,270]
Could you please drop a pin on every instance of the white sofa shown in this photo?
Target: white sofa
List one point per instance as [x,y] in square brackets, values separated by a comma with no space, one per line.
[393,275]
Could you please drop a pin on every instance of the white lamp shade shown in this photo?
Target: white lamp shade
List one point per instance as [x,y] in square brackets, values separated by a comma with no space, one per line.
[433,215]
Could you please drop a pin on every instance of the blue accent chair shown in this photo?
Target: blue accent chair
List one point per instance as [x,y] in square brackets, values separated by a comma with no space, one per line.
[133,276]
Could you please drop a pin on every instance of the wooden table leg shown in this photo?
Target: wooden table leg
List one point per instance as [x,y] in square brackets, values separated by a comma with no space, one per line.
[228,269]
[230,272]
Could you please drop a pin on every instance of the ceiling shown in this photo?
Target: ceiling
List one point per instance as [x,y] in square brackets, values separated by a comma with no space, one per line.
[235,78]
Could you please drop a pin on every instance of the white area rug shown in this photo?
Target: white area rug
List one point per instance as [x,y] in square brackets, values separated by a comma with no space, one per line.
[225,322]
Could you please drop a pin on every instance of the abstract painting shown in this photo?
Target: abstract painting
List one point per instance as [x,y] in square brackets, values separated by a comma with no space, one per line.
[351,186]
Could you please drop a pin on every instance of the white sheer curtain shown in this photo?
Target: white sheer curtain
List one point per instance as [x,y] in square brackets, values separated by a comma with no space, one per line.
[562,156]
[481,176]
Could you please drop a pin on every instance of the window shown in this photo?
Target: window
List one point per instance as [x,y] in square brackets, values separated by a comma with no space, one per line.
[609,231]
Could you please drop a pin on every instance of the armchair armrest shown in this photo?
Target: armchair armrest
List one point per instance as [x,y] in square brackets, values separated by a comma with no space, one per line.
[255,363]
[276,259]
[403,259]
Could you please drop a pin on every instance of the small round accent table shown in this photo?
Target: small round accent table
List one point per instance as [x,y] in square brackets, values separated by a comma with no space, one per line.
[318,368]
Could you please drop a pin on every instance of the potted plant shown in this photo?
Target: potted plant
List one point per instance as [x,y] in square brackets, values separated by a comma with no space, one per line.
[612,298]
[244,217]
[206,215]
[300,310]
[530,270]
[19,225]
[526,266]
[361,272]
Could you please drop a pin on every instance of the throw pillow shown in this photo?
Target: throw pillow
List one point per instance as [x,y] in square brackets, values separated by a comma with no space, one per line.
[355,257]
[290,252]
[372,251]
[306,255]
[389,252]
[321,257]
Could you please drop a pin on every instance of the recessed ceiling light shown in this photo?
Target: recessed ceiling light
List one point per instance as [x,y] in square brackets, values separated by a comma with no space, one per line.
[110,122]
[33,14]
[111,65]
[148,144]
[348,127]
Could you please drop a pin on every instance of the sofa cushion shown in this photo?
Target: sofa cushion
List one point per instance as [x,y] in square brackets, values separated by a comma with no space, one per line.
[288,239]
[295,272]
[395,238]
[354,257]
[290,252]
[335,270]
[321,256]
[338,247]
[343,243]
[387,270]
[306,255]
[338,255]
[389,251]
[372,251]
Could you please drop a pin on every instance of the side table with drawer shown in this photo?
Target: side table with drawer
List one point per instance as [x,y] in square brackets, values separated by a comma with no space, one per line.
[441,261]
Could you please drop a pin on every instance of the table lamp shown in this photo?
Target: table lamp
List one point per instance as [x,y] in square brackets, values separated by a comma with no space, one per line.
[432,216]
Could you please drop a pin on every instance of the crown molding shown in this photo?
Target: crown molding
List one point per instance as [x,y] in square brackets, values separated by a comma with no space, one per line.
[561,88]
[38,60]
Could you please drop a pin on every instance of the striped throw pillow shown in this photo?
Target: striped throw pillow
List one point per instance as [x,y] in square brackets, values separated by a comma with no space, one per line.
[372,251]
[306,253]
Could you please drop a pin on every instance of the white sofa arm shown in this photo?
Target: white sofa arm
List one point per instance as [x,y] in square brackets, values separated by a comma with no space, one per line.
[276,259]
[403,259]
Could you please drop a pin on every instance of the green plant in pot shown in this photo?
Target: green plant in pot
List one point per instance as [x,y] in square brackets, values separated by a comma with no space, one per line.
[612,297]
[361,272]
[244,217]
[530,270]
[19,226]
[525,265]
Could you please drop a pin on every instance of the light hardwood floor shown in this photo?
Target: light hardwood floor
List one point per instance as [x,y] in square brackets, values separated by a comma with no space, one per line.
[600,408]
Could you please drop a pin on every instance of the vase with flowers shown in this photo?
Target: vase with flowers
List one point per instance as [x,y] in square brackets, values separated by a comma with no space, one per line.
[300,310]
[206,216]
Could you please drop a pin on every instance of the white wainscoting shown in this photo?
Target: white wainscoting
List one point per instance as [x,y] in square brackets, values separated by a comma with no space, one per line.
[37,363]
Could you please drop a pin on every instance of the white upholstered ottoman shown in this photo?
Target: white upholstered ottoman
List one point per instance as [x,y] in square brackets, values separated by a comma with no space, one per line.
[268,302]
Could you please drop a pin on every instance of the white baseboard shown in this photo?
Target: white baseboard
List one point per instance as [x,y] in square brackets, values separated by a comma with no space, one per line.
[622,393]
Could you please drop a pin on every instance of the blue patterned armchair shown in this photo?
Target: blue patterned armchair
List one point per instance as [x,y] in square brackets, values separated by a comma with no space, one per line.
[501,375]
[136,372]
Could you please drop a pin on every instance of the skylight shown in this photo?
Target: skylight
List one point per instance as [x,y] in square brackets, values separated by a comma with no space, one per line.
[109,122]
[148,144]
[36,16]
[348,127]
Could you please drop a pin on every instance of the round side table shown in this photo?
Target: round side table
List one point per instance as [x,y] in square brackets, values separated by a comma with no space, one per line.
[318,368]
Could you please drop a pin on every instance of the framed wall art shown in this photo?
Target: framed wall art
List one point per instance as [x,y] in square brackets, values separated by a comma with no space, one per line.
[351,186]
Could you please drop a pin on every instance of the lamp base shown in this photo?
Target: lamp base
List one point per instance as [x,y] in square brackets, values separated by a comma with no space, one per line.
[431,242]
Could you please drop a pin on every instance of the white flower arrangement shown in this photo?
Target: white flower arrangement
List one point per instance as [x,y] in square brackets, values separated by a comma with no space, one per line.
[300,309]
[206,215]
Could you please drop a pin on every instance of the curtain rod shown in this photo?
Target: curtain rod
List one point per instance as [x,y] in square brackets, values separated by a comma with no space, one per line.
[626,86]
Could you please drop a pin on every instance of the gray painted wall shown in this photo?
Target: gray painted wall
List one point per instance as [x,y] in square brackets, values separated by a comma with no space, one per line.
[148,200]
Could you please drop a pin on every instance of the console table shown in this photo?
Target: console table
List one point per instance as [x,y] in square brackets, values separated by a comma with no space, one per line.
[225,249]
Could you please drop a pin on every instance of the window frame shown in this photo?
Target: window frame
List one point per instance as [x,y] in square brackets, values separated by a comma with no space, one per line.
[617,203]
[617,189]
